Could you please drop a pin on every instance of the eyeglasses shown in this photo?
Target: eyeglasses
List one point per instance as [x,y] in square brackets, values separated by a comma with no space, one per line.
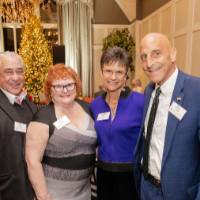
[118,74]
[60,88]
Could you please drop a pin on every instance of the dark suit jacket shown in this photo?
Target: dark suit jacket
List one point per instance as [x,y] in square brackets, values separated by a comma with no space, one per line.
[180,170]
[14,183]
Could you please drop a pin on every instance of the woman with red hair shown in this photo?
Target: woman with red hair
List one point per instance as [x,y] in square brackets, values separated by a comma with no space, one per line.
[61,141]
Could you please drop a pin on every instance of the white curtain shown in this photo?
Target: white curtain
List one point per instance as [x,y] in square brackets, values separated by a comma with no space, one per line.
[1,37]
[76,24]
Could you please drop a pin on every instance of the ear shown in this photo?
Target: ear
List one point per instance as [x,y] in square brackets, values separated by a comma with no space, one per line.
[173,54]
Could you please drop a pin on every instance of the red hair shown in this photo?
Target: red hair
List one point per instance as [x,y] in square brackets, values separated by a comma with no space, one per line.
[57,72]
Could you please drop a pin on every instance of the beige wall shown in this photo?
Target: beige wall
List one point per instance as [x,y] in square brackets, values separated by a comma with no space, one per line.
[180,21]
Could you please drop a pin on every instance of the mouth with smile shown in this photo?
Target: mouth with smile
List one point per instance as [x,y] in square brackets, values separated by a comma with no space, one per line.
[154,69]
[112,82]
[65,95]
[16,85]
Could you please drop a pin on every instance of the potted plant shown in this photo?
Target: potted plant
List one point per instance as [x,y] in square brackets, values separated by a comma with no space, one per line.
[121,38]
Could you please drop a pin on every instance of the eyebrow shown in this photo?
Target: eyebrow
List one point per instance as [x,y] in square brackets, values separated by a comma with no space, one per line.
[12,69]
[155,50]
[63,83]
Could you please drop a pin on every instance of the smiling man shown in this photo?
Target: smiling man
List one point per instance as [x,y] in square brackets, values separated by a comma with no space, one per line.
[168,148]
[15,113]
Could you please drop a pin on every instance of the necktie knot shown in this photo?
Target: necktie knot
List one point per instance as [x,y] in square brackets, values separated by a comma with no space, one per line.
[158,92]
[20,98]
[156,97]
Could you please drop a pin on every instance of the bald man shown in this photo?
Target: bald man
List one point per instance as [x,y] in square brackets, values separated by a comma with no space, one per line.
[168,148]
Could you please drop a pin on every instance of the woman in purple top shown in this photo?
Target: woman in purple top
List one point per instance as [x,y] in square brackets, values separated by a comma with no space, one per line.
[118,115]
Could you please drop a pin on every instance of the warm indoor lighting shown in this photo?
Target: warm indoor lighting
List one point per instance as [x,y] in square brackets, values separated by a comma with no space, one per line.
[16,10]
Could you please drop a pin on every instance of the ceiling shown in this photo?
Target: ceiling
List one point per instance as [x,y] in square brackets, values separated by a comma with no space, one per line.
[128,7]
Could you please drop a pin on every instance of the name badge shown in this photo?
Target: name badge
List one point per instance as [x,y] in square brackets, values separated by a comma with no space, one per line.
[61,122]
[177,110]
[20,127]
[103,116]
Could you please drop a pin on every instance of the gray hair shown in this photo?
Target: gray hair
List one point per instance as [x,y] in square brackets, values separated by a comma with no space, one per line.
[7,55]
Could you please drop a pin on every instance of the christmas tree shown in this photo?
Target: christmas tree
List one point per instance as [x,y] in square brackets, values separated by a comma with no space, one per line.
[36,55]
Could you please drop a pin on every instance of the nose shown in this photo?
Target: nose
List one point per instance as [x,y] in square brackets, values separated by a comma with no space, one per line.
[149,61]
[65,89]
[113,76]
[15,76]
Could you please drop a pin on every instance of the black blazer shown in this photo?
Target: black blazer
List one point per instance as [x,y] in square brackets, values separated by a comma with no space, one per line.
[14,182]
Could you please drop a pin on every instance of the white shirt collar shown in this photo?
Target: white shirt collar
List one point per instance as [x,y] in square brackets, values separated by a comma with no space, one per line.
[11,97]
[168,87]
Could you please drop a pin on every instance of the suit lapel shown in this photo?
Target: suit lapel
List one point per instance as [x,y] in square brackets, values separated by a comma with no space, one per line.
[7,108]
[173,122]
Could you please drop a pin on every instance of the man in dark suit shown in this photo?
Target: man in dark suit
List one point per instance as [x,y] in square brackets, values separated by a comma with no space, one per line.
[16,111]
[168,149]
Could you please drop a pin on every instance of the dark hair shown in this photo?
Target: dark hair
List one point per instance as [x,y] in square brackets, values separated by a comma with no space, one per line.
[116,54]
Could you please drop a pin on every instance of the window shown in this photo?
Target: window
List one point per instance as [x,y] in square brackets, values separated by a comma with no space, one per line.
[49,20]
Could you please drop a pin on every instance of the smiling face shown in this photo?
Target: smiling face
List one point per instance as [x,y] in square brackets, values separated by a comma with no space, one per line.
[157,57]
[62,82]
[63,91]
[114,76]
[11,75]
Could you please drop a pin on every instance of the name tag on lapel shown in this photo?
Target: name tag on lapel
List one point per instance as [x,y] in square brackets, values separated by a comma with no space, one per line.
[61,122]
[103,116]
[177,110]
[20,127]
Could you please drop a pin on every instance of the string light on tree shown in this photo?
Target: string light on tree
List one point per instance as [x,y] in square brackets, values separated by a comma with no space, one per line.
[37,58]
